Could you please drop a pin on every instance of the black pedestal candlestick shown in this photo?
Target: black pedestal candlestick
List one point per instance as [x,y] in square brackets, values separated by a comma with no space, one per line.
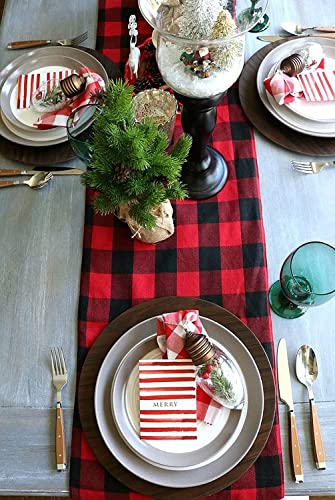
[205,172]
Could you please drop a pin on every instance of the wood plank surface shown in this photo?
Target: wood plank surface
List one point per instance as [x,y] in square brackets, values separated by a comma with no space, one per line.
[40,270]
[41,247]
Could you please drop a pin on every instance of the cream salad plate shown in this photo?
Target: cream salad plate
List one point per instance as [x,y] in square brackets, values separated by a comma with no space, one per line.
[212,440]
[219,449]
[293,115]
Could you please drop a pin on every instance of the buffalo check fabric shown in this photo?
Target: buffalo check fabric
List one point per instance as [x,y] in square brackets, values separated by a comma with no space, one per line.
[217,253]
[171,331]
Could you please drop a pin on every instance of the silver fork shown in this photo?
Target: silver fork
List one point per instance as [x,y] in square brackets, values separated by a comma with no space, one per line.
[311,167]
[59,379]
[24,44]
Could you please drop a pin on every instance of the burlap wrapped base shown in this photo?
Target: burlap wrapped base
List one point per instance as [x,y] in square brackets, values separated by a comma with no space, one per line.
[164,223]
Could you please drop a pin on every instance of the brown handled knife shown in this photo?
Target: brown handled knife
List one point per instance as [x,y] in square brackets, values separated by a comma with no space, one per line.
[16,172]
[285,394]
[275,38]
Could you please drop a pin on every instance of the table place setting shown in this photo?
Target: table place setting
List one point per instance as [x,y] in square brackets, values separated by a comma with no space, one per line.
[39,90]
[294,84]
[173,382]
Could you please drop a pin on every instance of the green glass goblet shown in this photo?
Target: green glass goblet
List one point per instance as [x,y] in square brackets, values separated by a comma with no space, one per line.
[79,129]
[307,278]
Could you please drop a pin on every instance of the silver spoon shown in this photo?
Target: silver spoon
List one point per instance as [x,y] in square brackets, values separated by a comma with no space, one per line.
[296,29]
[306,368]
[37,181]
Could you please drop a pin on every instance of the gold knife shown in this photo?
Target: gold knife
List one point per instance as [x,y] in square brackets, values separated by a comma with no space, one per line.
[275,38]
[16,172]
[285,394]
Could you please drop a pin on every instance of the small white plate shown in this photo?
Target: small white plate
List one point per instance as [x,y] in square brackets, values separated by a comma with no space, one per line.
[28,116]
[315,111]
[212,440]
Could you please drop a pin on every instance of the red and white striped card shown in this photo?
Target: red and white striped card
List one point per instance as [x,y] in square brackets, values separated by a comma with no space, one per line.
[29,83]
[167,395]
[318,85]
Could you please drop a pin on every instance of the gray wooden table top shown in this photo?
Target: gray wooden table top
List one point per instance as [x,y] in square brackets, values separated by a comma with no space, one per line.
[41,247]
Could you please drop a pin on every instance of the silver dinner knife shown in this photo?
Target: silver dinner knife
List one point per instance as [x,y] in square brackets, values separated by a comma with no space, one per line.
[275,38]
[285,394]
[16,172]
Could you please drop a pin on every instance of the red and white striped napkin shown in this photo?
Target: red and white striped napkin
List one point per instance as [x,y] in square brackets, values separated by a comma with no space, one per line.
[317,85]
[167,394]
[29,83]
[171,331]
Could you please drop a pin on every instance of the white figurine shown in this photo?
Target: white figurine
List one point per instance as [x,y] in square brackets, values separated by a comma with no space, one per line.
[134,54]
[134,59]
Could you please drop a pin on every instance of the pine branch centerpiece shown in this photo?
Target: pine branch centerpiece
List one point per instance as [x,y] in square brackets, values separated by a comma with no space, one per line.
[131,170]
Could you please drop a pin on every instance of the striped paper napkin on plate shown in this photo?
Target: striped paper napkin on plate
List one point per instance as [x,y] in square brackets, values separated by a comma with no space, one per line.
[30,82]
[318,85]
[167,395]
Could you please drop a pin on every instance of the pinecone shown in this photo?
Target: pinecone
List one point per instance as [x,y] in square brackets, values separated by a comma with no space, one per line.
[163,180]
[149,82]
[98,96]
[149,47]
[121,173]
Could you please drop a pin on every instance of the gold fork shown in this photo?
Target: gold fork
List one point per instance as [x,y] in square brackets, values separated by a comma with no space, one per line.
[59,379]
[24,44]
[311,167]
[37,181]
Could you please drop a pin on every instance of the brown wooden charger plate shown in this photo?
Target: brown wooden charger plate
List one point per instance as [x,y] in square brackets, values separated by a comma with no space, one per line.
[47,155]
[266,123]
[97,354]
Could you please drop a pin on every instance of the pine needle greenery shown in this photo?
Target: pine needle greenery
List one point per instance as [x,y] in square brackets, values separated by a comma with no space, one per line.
[221,385]
[130,164]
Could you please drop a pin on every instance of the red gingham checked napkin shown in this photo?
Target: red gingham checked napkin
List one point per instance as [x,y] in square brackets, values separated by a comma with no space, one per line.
[171,331]
[316,85]
[283,88]
[59,118]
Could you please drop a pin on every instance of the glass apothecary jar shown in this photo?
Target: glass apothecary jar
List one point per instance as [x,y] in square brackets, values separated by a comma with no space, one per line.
[217,373]
[200,43]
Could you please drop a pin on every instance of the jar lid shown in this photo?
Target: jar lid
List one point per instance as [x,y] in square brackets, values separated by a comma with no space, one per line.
[199,348]
[73,85]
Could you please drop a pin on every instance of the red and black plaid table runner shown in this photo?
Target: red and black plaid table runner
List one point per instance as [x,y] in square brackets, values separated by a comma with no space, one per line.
[217,253]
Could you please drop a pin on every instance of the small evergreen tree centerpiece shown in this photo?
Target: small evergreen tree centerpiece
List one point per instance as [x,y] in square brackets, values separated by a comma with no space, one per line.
[130,168]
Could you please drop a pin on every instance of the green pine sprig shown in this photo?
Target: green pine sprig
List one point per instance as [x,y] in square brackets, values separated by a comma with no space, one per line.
[221,385]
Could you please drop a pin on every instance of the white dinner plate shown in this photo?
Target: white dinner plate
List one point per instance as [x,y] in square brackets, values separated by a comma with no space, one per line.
[167,477]
[83,59]
[283,113]
[212,440]
[58,136]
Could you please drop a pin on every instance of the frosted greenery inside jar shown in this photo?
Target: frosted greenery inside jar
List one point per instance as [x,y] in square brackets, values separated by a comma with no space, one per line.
[200,43]
[217,373]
